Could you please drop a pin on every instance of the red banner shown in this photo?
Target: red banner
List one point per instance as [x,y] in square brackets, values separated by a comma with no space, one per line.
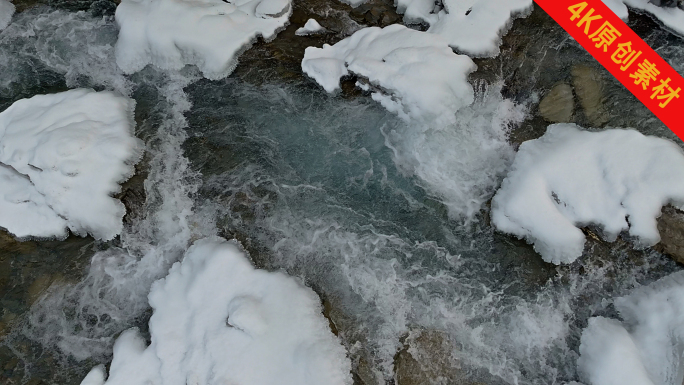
[638,67]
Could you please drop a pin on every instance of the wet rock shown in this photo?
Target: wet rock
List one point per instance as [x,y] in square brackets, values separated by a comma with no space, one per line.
[427,359]
[558,104]
[379,13]
[40,286]
[589,89]
[671,228]
[363,374]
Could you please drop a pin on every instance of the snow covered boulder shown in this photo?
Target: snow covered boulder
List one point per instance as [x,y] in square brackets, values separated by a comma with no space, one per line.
[6,12]
[647,348]
[61,158]
[218,320]
[671,17]
[411,73]
[207,33]
[571,178]
[471,26]
[310,28]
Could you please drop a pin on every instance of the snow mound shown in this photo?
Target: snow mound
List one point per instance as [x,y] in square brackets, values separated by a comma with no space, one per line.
[671,17]
[618,7]
[311,27]
[61,158]
[647,348]
[218,320]
[6,12]
[207,33]
[411,73]
[472,26]
[570,178]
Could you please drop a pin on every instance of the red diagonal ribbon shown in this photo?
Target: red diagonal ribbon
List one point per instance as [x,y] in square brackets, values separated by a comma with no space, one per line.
[638,67]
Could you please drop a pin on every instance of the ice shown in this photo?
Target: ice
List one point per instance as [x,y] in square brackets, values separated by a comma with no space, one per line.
[571,178]
[218,320]
[470,26]
[62,158]
[311,27]
[647,348]
[6,12]
[207,33]
[671,17]
[411,73]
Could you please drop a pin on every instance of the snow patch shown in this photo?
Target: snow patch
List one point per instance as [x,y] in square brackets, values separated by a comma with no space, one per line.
[471,26]
[207,33]
[6,12]
[647,348]
[61,158]
[570,178]
[413,74]
[311,27]
[618,7]
[217,319]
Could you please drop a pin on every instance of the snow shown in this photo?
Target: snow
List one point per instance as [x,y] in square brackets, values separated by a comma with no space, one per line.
[311,27]
[471,26]
[218,320]
[6,12]
[618,7]
[61,158]
[647,347]
[207,33]
[571,178]
[413,74]
[671,17]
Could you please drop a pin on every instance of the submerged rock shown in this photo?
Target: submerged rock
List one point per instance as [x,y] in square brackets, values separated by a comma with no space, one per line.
[589,89]
[558,104]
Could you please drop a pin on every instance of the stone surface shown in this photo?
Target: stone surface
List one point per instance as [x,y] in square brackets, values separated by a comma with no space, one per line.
[671,229]
[426,359]
[558,104]
[589,89]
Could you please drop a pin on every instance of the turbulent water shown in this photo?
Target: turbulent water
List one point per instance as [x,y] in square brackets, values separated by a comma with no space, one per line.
[387,222]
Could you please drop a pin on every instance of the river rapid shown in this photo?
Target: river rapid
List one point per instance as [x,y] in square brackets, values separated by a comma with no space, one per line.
[388,223]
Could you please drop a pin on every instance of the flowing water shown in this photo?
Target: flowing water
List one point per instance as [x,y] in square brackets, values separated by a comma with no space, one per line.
[387,222]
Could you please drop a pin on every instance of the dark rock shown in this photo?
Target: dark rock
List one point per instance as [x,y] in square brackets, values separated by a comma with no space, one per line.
[664,3]
[102,8]
[671,229]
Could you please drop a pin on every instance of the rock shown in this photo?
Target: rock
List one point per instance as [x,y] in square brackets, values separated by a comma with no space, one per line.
[40,285]
[427,359]
[589,89]
[665,3]
[365,374]
[671,229]
[558,104]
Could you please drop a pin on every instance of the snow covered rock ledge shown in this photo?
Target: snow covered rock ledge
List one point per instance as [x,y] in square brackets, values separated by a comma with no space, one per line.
[647,347]
[473,26]
[61,158]
[570,178]
[6,12]
[411,73]
[218,320]
[671,17]
[208,33]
